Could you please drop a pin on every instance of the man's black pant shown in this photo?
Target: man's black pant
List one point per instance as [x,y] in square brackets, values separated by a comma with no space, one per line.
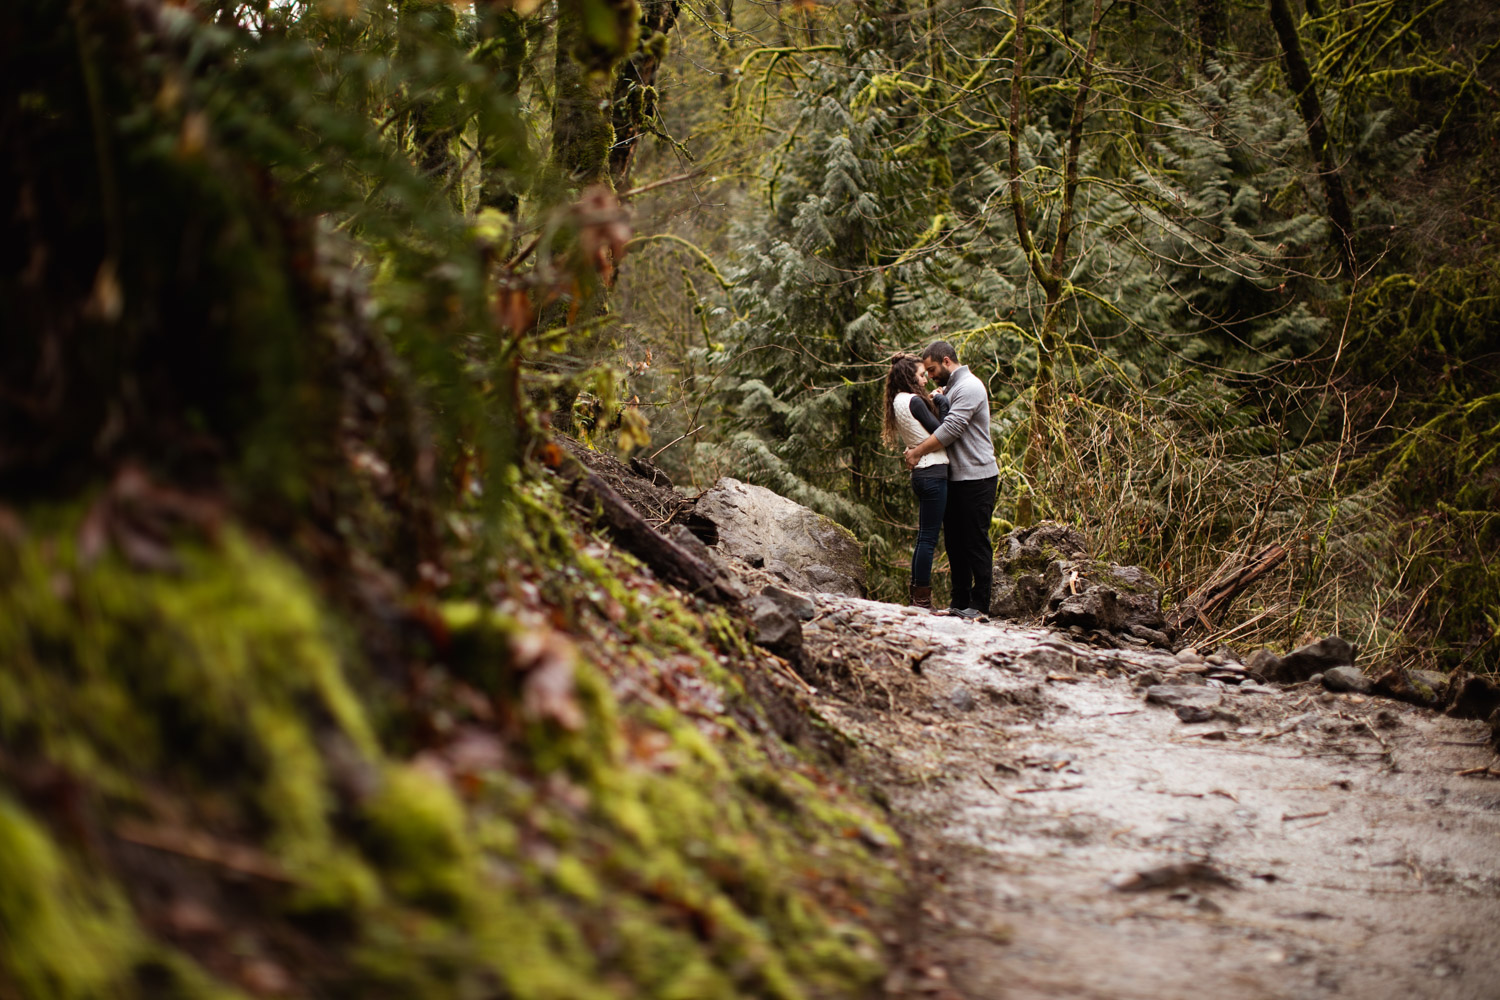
[966,531]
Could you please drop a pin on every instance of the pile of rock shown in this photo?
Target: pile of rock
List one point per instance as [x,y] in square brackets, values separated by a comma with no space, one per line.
[1046,571]
[1330,661]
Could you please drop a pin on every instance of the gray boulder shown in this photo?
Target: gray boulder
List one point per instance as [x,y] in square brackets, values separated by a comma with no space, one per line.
[1427,688]
[1348,679]
[802,547]
[1304,661]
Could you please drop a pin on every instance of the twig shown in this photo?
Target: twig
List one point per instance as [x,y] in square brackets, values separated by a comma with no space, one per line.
[1484,772]
[661,183]
[201,846]
[1054,788]
[670,443]
[1289,817]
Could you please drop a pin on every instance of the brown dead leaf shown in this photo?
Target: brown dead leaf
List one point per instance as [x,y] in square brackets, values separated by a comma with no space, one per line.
[547,691]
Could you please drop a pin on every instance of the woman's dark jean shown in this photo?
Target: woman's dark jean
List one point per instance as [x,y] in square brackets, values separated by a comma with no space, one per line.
[932,500]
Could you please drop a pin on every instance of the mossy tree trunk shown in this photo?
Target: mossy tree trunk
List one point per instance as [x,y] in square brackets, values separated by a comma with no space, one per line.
[502,53]
[592,37]
[635,94]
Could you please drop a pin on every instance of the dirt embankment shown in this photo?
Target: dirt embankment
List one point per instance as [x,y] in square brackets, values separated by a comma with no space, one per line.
[1083,842]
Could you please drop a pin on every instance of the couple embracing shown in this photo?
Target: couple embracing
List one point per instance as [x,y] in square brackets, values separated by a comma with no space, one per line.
[953,472]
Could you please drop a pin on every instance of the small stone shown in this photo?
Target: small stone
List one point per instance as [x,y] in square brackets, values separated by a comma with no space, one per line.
[799,606]
[1175,695]
[1193,713]
[1348,679]
[1147,678]
[1315,679]
[1188,655]
[1150,635]
[773,628]
[962,699]
[1264,664]
[1216,660]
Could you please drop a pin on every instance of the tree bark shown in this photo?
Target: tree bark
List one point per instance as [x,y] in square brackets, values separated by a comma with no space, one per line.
[635,96]
[1300,78]
[592,37]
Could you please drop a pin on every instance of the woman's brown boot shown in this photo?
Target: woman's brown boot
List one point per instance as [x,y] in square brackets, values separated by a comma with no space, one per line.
[921,597]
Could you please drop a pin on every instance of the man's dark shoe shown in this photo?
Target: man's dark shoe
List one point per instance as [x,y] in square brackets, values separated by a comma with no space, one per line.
[967,614]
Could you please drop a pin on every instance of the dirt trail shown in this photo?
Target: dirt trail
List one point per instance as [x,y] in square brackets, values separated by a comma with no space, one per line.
[1324,845]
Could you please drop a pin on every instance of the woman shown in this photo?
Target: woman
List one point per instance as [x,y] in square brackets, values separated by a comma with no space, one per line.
[911,414]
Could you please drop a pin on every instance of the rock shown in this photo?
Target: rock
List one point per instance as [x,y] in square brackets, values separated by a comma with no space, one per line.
[1193,713]
[1049,660]
[1095,608]
[1263,663]
[773,628]
[1021,560]
[1148,678]
[1188,655]
[1229,655]
[1418,687]
[961,699]
[1472,697]
[803,547]
[1304,661]
[798,606]
[1316,657]
[1151,635]
[1017,597]
[1348,679]
[1096,594]
[725,576]
[1177,695]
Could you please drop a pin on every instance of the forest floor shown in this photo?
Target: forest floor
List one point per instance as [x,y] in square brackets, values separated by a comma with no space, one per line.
[1076,841]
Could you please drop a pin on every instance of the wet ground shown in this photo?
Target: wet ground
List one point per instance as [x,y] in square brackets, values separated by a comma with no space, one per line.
[1081,842]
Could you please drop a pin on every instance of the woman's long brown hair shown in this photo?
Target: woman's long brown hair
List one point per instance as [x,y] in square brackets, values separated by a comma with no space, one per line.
[902,377]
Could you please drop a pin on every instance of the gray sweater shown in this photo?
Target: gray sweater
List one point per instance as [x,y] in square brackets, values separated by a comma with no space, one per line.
[965,431]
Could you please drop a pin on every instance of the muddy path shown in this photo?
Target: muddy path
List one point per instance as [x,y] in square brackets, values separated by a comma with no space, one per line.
[1077,841]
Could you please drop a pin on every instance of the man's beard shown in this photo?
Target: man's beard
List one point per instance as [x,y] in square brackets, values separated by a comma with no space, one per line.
[941,378]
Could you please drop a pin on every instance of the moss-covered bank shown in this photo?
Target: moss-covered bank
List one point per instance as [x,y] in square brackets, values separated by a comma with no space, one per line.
[203,792]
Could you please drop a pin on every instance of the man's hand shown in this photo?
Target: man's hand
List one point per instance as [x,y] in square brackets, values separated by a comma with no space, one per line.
[910,457]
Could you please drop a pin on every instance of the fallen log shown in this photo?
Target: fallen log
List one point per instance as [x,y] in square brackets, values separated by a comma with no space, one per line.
[1222,587]
[667,559]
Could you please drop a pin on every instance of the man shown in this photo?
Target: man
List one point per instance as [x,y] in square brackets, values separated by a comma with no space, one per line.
[972,478]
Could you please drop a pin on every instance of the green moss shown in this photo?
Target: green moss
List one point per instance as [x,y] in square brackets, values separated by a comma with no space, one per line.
[680,875]
[64,936]
[416,835]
